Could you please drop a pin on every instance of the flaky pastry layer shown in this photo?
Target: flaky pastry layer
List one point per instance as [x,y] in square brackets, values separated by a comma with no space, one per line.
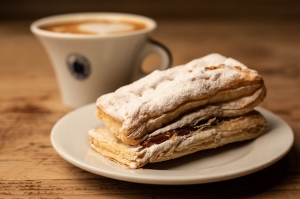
[134,111]
[247,126]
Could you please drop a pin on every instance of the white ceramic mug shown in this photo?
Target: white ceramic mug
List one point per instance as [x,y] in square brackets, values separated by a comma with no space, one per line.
[89,65]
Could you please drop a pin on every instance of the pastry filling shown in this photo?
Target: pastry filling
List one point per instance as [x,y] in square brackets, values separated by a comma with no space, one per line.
[157,139]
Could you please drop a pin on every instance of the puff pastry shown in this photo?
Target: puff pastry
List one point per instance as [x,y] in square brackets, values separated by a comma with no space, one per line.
[212,133]
[203,104]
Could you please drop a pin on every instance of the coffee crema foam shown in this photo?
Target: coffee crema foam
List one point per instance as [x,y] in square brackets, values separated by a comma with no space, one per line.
[96,27]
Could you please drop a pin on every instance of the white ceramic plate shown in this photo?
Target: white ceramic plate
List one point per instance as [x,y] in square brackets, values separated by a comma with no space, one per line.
[70,139]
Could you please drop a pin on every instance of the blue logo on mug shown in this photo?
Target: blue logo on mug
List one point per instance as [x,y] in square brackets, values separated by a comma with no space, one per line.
[79,66]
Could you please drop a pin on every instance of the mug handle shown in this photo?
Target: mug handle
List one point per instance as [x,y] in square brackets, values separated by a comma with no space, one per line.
[152,46]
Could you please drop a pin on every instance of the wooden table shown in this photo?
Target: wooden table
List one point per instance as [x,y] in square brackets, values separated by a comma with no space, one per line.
[30,105]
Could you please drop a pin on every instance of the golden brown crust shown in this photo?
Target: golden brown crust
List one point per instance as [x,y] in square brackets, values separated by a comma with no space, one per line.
[135,110]
[213,97]
[247,126]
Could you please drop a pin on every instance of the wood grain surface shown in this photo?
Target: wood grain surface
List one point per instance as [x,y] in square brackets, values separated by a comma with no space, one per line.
[30,105]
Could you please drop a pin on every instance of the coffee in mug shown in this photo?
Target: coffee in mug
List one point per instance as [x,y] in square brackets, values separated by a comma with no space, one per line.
[96,26]
[96,53]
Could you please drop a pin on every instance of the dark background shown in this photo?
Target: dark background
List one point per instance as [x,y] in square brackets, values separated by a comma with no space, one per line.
[215,9]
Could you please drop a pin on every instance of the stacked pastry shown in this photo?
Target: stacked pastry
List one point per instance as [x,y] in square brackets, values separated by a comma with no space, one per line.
[206,103]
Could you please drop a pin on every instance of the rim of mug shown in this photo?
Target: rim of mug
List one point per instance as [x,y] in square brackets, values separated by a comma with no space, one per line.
[35,25]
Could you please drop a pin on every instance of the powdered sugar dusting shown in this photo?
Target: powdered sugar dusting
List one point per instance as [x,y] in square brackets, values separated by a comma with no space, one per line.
[162,91]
